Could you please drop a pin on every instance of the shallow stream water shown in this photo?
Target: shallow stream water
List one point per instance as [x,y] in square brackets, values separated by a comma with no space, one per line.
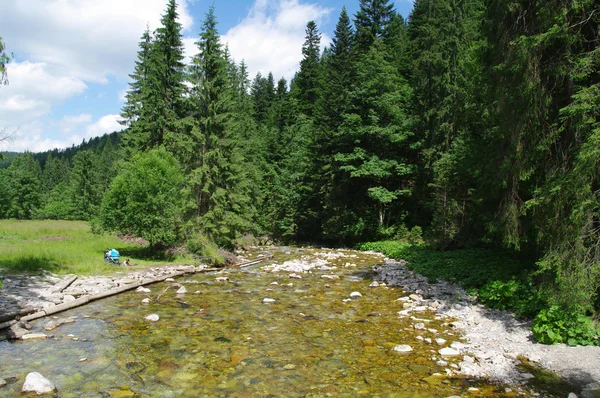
[221,340]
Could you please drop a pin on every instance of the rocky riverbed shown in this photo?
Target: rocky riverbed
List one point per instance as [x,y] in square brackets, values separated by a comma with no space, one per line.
[494,342]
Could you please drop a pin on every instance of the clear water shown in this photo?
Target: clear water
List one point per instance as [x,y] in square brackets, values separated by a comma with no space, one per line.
[221,340]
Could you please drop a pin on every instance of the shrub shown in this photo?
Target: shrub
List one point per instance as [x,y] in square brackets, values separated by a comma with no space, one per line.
[518,296]
[200,245]
[553,325]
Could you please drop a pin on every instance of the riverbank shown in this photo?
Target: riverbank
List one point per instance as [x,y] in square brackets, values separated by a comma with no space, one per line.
[496,339]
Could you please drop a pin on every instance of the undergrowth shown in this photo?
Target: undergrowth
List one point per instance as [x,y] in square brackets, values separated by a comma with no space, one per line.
[501,281]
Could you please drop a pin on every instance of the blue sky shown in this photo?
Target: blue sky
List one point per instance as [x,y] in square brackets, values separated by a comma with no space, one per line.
[72,57]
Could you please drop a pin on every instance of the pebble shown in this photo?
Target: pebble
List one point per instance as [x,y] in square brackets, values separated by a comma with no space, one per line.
[355,294]
[330,277]
[82,359]
[289,366]
[374,284]
[169,280]
[448,352]
[419,326]
[182,290]
[2,382]
[274,283]
[403,348]
[152,318]
[146,300]
[142,289]
[295,276]
[268,300]
[440,341]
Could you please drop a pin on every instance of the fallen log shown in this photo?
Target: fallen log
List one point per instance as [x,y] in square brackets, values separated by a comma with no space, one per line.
[248,263]
[16,314]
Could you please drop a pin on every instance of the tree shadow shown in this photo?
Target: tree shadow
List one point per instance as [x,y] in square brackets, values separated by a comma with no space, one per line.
[147,253]
[30,263]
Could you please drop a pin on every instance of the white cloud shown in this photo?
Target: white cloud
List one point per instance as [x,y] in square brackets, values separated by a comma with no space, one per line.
[270,38]
[69,123]
[106,124]
[34,88]
[84,39]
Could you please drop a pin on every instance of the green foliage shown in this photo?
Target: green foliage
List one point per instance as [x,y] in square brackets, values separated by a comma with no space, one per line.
[5,57]
[553,325]
[144,199]
[200,245]
[514,295]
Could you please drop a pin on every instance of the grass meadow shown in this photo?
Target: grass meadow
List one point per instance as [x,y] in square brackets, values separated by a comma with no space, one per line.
[67,247]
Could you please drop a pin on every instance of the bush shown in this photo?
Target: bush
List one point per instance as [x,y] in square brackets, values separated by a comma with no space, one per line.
[200,245]
[520,297]
[144,199]
[553,325]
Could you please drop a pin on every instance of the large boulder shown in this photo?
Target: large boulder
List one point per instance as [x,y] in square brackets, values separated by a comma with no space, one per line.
[35,382]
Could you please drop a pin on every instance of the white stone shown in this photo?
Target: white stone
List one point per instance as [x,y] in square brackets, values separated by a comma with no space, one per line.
[145,301]
[403,299]
[68,297]
[35,382]
[182,290]
[169,280]
[330,277]
[142,289]
[419,326]
[440,341]
[415,297]
[458,346]
[34,336]
[448,352]
[355,294]
[295,276]
[152,318]
[428,340]
[274,284]
[268,300]
[374,284]
[419,338]
[402,348]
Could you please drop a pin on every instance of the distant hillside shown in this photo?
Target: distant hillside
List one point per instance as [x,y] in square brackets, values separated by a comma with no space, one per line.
[96,144]
[7,158]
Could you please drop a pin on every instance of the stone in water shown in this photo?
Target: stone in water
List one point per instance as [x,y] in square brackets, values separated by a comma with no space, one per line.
[355,294]
[35,382]
[152,318]
[268,300]
[403,348]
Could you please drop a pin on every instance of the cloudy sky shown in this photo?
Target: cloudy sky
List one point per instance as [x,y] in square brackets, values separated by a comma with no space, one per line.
[72,57]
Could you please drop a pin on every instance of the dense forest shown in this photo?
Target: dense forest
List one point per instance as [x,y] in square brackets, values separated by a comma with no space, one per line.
[472,123]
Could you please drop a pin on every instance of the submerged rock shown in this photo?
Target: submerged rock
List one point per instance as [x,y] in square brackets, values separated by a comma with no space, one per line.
[34,336]
[35,382]
[403,348]
[182,290]
[355,295]
[448,352]
[152,318]
[268,300]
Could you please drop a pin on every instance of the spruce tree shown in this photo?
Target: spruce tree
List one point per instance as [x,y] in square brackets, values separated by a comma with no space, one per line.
[307,84]
[218,181]
[372,21]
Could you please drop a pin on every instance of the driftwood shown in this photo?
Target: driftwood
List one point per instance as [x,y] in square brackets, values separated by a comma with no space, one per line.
[64,284]
[27,315]
[248,263]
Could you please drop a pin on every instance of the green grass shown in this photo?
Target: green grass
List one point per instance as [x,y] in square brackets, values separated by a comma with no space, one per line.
[66,247]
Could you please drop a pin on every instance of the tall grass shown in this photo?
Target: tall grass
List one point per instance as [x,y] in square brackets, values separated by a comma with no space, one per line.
[64,247]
